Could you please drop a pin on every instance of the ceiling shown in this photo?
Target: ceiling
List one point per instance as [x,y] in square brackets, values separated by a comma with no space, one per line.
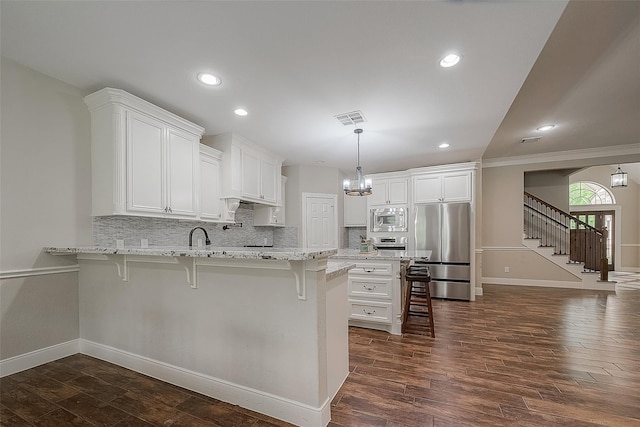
[295,65]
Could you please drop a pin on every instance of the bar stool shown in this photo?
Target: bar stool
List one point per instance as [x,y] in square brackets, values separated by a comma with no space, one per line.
[418,297]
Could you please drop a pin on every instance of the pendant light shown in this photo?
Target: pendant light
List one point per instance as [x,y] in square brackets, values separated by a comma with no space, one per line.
[619,179]
[358,185]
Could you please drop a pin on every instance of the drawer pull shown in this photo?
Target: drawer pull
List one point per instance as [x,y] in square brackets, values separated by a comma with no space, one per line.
[369,271]
[368,313]
[369,288]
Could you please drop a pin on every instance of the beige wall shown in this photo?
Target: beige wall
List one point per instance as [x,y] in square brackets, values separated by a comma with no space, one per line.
[46,201]
[628,198]
[502,217]
[551,186]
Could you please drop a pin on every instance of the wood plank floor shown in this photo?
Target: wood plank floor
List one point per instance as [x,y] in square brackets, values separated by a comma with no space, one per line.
[518,356]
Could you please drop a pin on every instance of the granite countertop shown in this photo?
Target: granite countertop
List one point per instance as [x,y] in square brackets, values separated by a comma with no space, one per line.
[336,268]
[291,254]
[381,255]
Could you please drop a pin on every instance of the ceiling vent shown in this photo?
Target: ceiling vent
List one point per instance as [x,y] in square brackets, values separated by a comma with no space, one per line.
[531,139]
[352,118]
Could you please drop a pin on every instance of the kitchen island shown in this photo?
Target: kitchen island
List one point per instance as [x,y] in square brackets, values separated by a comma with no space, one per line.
[265,329]
[376,286]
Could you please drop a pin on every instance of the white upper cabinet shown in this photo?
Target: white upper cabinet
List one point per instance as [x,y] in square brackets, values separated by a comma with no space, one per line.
[355,211]
[389,191]
[210,203]
[272,215]
[442,187]
[144,160]
[249,172]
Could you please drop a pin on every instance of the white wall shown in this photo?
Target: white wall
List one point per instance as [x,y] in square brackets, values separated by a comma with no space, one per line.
[310,179]
[46,200]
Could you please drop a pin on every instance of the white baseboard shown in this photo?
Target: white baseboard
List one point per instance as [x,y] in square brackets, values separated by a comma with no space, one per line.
[598,286]
[284,409]
[39,357]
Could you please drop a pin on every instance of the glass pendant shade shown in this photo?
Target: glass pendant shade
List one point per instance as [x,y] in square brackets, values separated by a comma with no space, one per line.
[619,178]
[358,185]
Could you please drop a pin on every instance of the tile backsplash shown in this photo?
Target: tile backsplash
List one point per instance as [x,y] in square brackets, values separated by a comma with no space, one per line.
[351,239]
[173,232]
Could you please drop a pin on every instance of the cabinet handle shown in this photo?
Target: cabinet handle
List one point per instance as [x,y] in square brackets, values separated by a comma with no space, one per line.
[369,271]
[368,313]
[368,288]
[166,209]
[170,210]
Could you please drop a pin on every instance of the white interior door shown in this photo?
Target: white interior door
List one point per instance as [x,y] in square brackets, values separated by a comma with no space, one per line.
[320,229]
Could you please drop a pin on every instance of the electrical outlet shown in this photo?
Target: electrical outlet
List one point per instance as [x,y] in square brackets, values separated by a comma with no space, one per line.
[144,243]
[119,243]
[265,241]
[506,269]
[199,243]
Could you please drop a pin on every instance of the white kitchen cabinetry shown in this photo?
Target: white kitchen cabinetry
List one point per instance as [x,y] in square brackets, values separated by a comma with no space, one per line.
[144,160]
[210,208]
[374,295]
[249,172]
[273,216]
[389,191]
[442,187]
[355,211]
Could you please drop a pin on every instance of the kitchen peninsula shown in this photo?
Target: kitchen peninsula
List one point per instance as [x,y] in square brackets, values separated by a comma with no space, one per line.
[264,329]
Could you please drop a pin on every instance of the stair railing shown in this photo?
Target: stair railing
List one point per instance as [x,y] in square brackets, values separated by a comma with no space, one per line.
[566,234]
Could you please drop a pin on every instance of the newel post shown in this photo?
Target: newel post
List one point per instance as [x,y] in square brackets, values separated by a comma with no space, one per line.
[604,263]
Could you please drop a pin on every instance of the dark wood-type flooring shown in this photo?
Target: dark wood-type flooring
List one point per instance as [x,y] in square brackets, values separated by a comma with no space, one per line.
[518,356]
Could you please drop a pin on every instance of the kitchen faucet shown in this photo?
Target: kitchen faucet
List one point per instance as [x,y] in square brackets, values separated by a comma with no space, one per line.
[206,236]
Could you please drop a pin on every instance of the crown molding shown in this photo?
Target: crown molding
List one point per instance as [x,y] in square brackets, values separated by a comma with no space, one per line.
[560,156]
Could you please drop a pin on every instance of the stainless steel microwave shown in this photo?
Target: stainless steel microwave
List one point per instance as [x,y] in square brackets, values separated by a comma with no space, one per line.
[388,219]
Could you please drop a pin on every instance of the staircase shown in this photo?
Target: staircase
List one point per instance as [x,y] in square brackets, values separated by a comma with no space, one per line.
[566,241]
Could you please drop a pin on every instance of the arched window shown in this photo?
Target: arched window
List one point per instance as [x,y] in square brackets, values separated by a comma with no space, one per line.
[589,193]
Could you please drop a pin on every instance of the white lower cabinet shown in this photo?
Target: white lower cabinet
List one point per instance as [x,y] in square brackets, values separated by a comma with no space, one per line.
[374,295]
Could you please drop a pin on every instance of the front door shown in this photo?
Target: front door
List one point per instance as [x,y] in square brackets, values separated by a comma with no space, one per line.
[599,219]
[320,221]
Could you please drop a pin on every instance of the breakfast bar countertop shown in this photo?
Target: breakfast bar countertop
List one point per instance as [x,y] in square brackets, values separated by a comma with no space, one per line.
[286,254]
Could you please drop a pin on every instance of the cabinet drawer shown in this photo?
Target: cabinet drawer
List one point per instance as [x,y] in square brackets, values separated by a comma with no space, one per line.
[370,311]
[372,268]
[370,287]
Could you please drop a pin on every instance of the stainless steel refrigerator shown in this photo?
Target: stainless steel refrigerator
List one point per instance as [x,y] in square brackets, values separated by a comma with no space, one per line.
[444,228]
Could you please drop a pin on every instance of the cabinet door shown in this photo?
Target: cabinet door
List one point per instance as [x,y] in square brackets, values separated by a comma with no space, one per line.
[355,211]
[380,192]
[182,158]
[456,187]
[397,189]
[251,175]
[269,181]
[427,189]
[209,188]
[145,164]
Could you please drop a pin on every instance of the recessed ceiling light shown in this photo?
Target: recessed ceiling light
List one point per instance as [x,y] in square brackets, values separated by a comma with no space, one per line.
[319,162]
[443,145]
[546,127]
[209,79]
[450,60]
[240,112]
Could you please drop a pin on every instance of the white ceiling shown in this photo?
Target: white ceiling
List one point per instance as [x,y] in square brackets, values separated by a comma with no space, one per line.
[294,65]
